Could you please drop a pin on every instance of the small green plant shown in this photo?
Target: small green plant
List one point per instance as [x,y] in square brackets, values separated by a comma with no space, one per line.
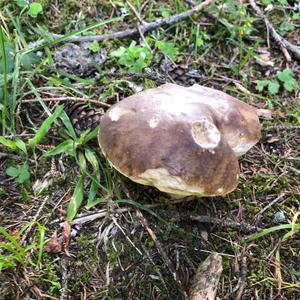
[134,58]
[294,230]
[13,252]
[21,174]
[284,78]
[86,158]
[167,48]
[33,8]
[285,27]
[94,47]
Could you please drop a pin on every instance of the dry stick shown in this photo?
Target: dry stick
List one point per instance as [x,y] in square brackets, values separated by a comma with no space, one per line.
[277,199]
[130,32]
[205,282]
[35,218]
[162,253]
[64,263]
[87,217]
[61,99]
[295,50]
[182,215]
[240,287]
[247,228]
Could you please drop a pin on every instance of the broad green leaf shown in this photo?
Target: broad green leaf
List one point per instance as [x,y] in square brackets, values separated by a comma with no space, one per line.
[284,75]
[66,146]
[289,82]
[35,8]
[273,87]
[76,200]
[42,131]
[12,171]
[167,48]
[291,85]
[24,174]
[261,84]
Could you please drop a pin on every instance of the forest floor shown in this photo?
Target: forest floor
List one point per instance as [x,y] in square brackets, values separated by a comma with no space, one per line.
[63,236]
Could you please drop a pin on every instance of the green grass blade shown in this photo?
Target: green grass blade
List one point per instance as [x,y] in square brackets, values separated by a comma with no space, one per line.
[8,143]
[12,240]
[68,124]
[4,97]
[66,146]
[76,200]
[17,27]
[42,131]
[37,95]
[92,159]
[40,246]
[270,230]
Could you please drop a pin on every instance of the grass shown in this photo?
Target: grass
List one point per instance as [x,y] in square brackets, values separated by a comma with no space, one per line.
[51,174]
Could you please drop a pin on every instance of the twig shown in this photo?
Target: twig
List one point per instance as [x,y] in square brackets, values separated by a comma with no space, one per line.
[240,287]
[130,32]
[135,12]
[66,99]
[295,50]
[276,200]
[88,217]
[182,215]
[64,278]
[35,218]
[162,253]
[140,22]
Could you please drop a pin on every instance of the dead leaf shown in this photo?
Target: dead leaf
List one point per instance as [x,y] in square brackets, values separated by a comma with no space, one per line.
[264,58]
[264,113]
[272,139]
[54,245]
[67,236]
[241,88]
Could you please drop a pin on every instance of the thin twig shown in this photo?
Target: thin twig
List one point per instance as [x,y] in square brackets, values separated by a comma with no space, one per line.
[130,32]
[88,217]
[295,50]
[187,215]
[64,278]
[276,200]
[66,99]
[162,253]
[35,218]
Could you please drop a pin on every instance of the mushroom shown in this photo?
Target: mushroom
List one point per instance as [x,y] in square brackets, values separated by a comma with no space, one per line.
[183,141]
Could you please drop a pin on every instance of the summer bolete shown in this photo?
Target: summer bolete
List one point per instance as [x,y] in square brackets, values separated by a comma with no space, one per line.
[180,140]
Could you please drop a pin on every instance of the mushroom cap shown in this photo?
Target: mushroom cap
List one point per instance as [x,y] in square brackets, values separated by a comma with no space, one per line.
[176,139]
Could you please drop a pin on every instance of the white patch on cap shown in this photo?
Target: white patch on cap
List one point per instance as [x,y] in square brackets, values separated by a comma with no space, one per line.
[206,134]
[165,182]
[153,122]
[242,148]
[220,190]
[116,113]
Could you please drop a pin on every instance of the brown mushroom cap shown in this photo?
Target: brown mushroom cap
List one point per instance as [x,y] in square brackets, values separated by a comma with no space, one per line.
[176,139]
